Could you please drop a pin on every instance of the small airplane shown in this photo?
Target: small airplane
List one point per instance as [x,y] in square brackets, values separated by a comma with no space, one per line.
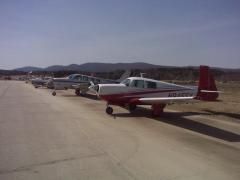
[81,83]
[29,77]
[135,91]
[40,82]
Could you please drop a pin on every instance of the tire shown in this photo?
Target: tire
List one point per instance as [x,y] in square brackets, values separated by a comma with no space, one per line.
[54,93]
[132,107]
[82,94]
[77,92]
[109,110]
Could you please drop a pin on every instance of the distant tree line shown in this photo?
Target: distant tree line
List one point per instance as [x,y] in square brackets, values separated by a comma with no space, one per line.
[181,74]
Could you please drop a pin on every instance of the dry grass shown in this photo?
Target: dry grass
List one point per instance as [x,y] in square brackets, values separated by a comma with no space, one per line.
[227,107]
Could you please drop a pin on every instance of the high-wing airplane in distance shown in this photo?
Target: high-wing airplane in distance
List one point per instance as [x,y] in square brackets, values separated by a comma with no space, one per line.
[81,83]
[135,91]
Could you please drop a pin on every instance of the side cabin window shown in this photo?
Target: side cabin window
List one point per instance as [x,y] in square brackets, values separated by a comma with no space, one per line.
[85,78]
[77,78]
[137,83]
[151,85]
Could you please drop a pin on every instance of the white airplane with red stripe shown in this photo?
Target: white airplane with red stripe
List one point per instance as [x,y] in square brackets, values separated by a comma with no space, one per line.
[135,91]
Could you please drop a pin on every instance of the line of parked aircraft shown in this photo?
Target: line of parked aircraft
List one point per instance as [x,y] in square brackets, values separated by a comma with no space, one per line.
[128,92]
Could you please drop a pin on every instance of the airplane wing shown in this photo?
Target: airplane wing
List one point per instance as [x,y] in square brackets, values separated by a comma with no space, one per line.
[164,100]
[125,75]
[80,85]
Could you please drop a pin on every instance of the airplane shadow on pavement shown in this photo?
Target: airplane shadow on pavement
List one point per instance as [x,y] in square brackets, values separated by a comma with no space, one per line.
[178,119]
[231,115]
[88,96]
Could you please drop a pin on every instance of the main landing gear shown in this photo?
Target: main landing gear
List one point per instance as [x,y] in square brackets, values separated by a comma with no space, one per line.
[54,93]
[78,92]
[157,109]
[131,107]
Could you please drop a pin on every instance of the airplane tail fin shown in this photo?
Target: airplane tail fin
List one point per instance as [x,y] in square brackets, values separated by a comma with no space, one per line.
[207,90]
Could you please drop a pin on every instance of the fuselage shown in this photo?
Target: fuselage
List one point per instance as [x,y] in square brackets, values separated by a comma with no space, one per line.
[76,79]
[40,81]
[134,88]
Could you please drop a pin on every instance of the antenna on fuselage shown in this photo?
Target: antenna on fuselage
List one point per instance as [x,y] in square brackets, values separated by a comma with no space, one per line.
[141,74]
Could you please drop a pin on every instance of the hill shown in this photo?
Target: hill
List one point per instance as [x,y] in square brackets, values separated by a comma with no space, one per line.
[28,69]
[91,67]
[114,70]
[10,72]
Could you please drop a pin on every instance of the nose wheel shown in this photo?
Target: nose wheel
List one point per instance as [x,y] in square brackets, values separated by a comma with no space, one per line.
[77,92]
[54,93]
[109,110]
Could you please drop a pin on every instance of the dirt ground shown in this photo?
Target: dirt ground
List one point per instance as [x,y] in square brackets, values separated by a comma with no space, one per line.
[228,106]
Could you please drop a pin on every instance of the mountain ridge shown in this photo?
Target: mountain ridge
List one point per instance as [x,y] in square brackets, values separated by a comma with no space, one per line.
[107,67]
[91,67]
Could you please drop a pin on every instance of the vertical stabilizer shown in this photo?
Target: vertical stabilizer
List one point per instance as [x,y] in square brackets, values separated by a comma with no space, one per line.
[207,90]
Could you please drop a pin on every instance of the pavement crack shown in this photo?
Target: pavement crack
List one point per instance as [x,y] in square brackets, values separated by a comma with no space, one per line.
[4,91]
[30,167]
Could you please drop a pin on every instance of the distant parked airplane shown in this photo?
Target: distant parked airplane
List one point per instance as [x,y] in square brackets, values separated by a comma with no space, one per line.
[135,91]
[41,81]
[81,83]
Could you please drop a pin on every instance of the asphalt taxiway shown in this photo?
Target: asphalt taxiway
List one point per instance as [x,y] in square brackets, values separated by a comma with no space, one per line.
[70,137]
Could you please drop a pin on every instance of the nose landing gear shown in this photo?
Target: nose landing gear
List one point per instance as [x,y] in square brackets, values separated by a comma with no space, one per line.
[54,93]
[109,110]
[77,92]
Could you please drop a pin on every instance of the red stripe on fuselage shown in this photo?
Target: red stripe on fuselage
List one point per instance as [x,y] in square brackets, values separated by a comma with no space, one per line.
[124,98]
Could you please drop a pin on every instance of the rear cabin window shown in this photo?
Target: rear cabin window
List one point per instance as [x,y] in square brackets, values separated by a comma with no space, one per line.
[138,83]
[151,85]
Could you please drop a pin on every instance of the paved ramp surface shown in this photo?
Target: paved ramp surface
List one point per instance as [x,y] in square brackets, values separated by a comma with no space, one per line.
[71,138]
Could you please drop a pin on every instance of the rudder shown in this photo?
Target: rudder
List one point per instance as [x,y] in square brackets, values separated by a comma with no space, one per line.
[207,90]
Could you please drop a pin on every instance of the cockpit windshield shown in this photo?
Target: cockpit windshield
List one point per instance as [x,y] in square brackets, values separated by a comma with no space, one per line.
[71,76]
[126,82]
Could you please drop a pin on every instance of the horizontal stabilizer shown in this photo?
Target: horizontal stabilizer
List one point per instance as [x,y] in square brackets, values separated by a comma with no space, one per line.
[207,91]
[159,100]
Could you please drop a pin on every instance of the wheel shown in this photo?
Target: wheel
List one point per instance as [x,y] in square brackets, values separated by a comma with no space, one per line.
[109,110]
[132,107]
[77,92]
[54,93]
[82,94]
[36,87]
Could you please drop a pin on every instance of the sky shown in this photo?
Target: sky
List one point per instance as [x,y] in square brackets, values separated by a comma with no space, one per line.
[165,32]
